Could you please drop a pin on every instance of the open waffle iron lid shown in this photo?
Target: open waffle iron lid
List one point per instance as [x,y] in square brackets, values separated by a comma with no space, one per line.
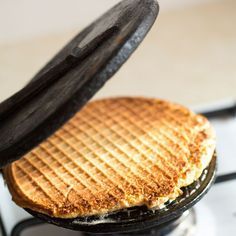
[72,77]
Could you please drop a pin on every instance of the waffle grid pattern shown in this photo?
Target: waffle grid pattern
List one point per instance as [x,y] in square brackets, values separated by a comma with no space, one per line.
[114,153]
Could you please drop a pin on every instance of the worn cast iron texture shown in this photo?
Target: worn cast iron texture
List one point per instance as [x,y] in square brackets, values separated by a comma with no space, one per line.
[72,77]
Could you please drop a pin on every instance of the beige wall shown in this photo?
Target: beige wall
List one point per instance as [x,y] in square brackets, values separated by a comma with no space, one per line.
[188,57]
[24,19]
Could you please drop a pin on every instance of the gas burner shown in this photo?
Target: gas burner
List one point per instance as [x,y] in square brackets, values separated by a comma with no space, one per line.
[183,226]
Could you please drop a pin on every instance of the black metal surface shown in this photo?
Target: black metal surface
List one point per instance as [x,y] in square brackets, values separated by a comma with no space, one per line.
[227,111]
[2,227]
[25,224]
[46,77]
[140,218]
[225,178]
[179,227]
[72,77]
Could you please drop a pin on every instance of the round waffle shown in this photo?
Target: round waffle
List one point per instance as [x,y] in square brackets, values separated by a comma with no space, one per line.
[114,154]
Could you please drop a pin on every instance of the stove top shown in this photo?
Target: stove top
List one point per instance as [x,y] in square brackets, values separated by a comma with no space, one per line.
[214,215]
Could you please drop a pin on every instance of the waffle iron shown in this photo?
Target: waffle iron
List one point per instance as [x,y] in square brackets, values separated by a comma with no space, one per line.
[65,85]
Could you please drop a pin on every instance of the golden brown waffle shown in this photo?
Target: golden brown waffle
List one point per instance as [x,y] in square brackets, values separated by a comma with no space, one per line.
[114,154]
